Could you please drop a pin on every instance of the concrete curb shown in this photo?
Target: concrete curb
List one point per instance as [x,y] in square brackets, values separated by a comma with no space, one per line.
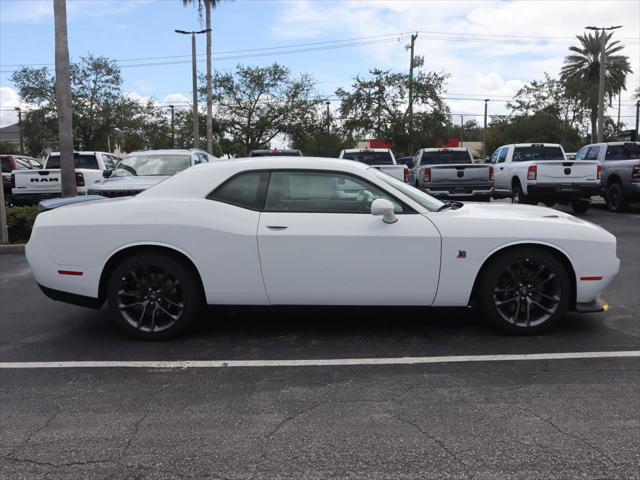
[12,248]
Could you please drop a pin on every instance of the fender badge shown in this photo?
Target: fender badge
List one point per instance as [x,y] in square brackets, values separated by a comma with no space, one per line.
[462,254]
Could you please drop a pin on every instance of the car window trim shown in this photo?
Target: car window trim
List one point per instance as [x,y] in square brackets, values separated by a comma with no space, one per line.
[262,195]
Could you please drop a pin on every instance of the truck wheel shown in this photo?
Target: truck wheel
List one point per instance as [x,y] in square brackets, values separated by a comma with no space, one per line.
[518,196]
[524,291]
[153,296]
[615,198]
[580,206]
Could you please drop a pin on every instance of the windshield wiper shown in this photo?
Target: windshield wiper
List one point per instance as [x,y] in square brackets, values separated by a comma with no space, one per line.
[450,204]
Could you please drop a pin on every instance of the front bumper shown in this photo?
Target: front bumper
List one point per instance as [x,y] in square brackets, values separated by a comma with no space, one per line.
[563,190]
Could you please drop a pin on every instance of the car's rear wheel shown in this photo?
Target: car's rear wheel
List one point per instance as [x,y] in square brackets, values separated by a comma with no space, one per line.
[518,196]
[616,201]
[153,296]
[524,291]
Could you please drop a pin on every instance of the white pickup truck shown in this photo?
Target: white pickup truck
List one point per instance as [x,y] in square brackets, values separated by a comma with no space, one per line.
[31,186]
[380,158]
[450,173]
[539,172]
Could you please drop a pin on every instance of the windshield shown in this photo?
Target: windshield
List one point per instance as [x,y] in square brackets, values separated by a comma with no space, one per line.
[445,157]
[370,158]
[427,201]
[152,165]
[627,151]
[81,161]
[537,153]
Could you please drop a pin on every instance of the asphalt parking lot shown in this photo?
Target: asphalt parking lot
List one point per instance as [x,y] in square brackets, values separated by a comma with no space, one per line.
[542,418]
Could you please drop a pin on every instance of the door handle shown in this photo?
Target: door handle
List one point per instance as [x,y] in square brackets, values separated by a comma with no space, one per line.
[277,227]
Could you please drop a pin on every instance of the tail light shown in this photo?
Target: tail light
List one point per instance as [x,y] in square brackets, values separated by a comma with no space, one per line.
[13,180]
[532,173]
[599,171]
[406,175]
[635,172]
[426,174]
[79,179]
[490,173]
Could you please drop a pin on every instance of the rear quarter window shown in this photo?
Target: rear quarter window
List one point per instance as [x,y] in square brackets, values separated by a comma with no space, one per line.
[537,153]
[445,157]
[370,158]
[623,152]
[246,190]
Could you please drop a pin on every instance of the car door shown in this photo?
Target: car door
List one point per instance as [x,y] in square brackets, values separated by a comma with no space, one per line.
[319,244]
[500,171]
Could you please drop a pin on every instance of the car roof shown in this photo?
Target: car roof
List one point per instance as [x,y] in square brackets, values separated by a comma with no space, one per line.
[166,151]
[535,143]
[445,149]
[351,150]
[84,152]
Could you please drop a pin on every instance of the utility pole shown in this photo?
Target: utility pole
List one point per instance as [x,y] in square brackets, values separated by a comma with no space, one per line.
[327,103]
[412,64]
[603,46]
[194,72]
[461,128]
[173,130]
[484,131]
[17,109]
[637,118]
[619,100]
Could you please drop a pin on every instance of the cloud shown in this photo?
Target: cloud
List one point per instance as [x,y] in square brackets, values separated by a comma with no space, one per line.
[499,66]
[180,100]
[9,99]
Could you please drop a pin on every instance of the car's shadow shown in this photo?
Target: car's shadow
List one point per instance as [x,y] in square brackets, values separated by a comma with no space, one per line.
[321,332]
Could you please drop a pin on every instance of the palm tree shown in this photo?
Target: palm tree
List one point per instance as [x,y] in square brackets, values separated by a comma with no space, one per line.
[63,100]
[207,5]
[582,68]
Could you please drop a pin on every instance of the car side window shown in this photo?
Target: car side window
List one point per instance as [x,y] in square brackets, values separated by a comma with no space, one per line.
[322,192]
[21,164]
[582,153]
[503,155]
[246,190]
[494,156]
[593,153]
[108,162]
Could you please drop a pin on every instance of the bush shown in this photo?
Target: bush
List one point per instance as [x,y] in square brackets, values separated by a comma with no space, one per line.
[20,221]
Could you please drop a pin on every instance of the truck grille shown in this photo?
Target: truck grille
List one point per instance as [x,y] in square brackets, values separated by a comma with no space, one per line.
[115,193]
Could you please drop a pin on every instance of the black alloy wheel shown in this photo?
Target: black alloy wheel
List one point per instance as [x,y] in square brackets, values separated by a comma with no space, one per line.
[153,296]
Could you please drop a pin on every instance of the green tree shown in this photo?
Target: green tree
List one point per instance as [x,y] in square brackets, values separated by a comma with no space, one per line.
[377,107]
[320,136]
[256,104]
[582,70]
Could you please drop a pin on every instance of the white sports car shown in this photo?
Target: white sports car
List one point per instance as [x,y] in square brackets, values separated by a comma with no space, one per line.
[314,231]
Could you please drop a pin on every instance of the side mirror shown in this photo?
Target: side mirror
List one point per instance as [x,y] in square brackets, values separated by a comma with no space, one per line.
[106,173]
[384,208]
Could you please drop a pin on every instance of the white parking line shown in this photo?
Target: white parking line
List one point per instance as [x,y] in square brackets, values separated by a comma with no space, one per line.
[181,364]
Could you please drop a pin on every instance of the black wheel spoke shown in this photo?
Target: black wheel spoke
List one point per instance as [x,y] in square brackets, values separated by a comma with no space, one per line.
[534,296]
[150,298]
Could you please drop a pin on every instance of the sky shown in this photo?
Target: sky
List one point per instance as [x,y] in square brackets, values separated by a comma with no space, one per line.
[489,48]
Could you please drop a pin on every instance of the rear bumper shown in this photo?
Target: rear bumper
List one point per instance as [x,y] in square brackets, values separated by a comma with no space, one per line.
[71,298]
[597,305]
[459,191]
[563,190]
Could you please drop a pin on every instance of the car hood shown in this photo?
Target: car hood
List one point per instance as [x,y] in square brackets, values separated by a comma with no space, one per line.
[129,183]
[509,211]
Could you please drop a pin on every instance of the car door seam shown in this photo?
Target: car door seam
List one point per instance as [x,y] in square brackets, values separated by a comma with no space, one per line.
[264,284]
[433,301]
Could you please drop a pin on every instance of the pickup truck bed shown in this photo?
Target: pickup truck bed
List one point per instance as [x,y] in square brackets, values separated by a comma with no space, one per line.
[379,158]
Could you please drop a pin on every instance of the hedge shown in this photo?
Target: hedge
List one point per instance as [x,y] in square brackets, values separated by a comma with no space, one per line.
[20,221]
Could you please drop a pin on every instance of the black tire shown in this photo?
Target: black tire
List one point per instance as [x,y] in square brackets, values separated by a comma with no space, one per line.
[161,282]
[542,274]
[580,206]
[615,198]
[518,196]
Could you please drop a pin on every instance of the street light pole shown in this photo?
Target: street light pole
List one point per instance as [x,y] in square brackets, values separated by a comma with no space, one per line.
[194,72]
[327,103]
[601,79]
[20,129]
[461,128]
[173,130]
[484,131]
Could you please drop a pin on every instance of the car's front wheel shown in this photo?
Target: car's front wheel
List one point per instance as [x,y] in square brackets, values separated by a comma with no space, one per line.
[524,291]
[153,296]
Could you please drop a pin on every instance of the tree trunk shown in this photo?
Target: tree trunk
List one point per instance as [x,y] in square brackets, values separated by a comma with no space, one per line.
[63,100]
[207,7]
[594,125]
